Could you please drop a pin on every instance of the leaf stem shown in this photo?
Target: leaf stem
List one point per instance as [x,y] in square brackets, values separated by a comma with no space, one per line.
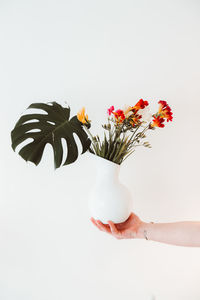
[93,140]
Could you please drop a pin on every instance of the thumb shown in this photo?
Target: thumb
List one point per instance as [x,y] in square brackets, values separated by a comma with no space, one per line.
[113,228]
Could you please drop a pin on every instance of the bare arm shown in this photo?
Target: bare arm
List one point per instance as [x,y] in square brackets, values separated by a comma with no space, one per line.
[185,233]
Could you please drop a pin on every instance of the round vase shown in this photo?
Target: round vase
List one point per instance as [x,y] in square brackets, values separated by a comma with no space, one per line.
[109,199]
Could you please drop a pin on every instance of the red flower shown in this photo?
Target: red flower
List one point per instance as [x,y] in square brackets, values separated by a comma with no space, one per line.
[157,122]
[164,110]
[120,112]
[110,110]
[119,115]
[140,105]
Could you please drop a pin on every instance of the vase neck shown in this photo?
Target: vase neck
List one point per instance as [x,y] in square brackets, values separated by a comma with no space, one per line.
[106,169]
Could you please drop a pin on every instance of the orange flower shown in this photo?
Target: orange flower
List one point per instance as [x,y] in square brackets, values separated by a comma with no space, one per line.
[82,117]
[157,122]
[164,110]
[140,105]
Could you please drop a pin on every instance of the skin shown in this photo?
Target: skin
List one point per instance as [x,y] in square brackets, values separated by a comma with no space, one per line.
[126,230]
[186,233]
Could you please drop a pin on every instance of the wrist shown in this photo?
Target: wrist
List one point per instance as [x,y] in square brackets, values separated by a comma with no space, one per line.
[144,229]
[140,232]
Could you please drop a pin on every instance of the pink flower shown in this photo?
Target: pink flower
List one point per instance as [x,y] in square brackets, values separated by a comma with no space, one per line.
[110,110]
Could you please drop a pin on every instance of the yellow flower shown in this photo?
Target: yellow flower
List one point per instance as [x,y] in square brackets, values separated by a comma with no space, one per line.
[82,117]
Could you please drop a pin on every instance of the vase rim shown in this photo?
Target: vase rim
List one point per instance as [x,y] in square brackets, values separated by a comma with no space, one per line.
[100,158]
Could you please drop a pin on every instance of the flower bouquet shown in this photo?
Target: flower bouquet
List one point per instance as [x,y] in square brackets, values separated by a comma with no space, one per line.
[124,131]
[119,144]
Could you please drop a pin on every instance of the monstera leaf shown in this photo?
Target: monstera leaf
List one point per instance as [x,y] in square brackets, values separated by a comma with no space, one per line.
[52,126]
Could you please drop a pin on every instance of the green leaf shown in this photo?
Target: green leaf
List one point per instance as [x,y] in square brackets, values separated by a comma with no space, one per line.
[111,143]
[122,148]
[53,126]
[105,145]
[115,146]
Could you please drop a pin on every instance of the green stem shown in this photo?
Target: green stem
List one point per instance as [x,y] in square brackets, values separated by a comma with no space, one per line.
[93,141]
[88,132]
[134,132]
[132,144]
[128,155]
[140,133]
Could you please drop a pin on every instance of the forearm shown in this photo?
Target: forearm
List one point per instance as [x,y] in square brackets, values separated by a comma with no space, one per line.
[185,233]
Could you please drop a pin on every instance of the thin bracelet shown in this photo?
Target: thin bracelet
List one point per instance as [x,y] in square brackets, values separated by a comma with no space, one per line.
[145,232]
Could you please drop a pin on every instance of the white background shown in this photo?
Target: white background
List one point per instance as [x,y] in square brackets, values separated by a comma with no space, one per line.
[97,54]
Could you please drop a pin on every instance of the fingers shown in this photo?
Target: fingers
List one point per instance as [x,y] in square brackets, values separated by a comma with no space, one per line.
[113,228]
[104,227]
[93,221]
[110,228]
[120,230]
[100,225]
[115,232]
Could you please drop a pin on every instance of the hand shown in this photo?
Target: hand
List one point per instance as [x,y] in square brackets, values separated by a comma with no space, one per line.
[126,230]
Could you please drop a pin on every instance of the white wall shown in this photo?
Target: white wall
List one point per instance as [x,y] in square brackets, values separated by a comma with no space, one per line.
[95,54]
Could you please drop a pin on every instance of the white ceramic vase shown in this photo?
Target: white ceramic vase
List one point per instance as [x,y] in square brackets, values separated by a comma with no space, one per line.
[109,199]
